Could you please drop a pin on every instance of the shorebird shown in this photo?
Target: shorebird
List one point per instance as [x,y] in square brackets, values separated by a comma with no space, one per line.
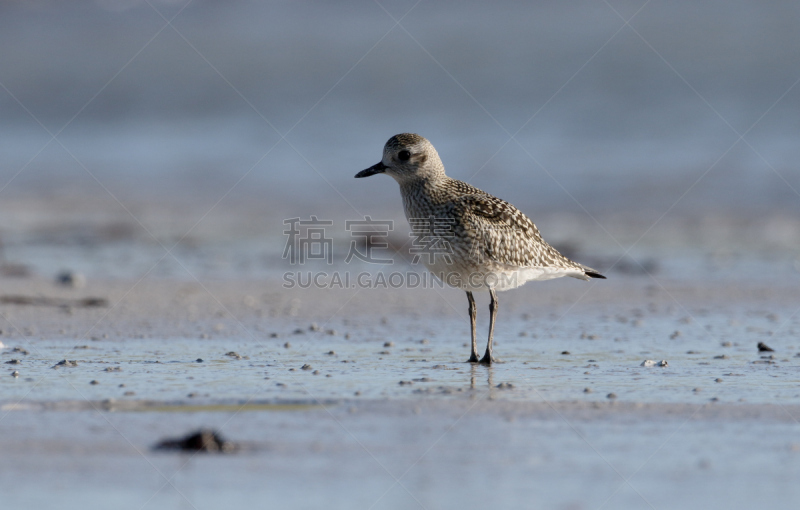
[481,243]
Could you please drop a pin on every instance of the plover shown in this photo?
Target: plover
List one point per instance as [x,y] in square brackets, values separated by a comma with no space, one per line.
[479,242]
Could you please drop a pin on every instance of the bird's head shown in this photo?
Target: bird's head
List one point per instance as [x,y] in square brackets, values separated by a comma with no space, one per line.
[408,157]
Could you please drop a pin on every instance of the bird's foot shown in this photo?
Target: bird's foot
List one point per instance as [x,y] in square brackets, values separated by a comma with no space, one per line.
[473,358]
[487,359]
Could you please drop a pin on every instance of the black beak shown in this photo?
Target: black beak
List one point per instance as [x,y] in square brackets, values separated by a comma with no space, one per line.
[374,169]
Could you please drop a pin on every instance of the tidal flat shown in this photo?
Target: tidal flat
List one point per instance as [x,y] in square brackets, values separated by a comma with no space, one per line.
[365,397]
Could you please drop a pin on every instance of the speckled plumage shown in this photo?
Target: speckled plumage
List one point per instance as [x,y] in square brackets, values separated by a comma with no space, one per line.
[492,244]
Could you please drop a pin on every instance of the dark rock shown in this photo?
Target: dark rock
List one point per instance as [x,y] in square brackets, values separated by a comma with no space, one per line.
[203,440]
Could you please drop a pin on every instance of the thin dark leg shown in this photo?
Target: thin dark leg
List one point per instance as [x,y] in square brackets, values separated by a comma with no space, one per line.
[472,313]
[487,358]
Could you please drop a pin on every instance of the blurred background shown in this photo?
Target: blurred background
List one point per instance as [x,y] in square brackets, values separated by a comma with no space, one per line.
[133,127]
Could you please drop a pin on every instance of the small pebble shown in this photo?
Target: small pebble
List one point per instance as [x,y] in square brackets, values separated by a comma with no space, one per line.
[315,372]
[313,327]
[287,345]
[388,344]
[13,362]
[565,353]
[306,367]
[588,390]
[722,356]
[65,363]
[405,383]
[129,393]
[19,350]
[718,379]
[234,354]
[357,394]
[611,396]
[675,335]
[15,373]
[94,382]
[651,363]
[331,353]
[762,347]
[199,360]
[505,386]
[113,369]
[71,279]
[726,344]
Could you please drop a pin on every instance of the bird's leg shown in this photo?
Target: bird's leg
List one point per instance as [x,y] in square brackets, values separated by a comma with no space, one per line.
[487,357]
[472,312]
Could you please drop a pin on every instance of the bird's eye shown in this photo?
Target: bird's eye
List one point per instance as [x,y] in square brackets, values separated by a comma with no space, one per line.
[403,155]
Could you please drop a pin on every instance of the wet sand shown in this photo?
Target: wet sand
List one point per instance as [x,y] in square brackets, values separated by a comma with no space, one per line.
[354,399]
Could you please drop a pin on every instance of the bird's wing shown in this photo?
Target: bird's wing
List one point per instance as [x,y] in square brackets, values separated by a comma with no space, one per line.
[505,235]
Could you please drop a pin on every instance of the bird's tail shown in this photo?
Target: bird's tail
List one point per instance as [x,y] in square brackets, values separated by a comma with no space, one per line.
[591,273]
[585,273]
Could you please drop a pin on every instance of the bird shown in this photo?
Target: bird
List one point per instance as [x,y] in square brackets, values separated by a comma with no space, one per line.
[481,243]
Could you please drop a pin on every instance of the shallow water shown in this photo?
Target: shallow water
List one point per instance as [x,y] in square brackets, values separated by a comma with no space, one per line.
[602,353]
[396,454]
